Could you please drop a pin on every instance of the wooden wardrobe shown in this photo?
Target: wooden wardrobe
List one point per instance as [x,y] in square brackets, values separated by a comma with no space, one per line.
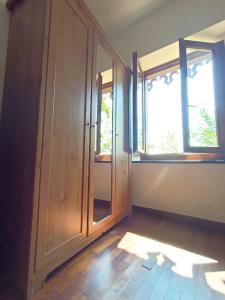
[48,138]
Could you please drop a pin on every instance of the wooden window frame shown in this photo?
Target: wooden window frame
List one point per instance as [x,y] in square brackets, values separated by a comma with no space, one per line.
[140,76]
[135,101]
[198,154]
[99,119]
[216,49]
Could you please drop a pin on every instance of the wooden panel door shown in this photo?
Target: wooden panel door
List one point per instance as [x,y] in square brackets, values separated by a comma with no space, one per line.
[122,140]
[62,220]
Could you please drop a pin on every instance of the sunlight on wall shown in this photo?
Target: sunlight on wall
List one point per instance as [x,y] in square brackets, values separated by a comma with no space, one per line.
[182,261]
[159,179]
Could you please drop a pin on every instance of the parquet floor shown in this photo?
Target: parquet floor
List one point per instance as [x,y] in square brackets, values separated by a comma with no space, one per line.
[145,257]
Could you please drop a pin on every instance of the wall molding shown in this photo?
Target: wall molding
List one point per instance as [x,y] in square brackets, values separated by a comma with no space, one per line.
[204,223]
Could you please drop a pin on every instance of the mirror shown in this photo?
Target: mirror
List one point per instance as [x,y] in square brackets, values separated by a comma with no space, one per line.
[103,110]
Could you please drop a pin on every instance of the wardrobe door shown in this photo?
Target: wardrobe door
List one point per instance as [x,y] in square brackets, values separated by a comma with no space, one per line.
[62,222]
[101,204]
[122,140]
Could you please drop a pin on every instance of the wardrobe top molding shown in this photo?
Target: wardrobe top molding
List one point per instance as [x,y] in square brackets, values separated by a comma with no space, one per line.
[12,4]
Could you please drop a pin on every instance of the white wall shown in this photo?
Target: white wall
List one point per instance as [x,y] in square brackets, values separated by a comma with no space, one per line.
[4,28]
[102,181]
[176,19]
[189,189]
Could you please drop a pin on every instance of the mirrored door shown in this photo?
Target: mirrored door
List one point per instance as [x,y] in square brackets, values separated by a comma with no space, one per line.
[102,138]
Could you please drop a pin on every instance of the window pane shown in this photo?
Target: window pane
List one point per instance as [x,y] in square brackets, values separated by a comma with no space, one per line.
[164,119]
[201,99]
[140,114]
[106,122]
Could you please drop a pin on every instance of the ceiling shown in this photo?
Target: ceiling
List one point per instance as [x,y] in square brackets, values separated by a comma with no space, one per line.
[212,34]
[117,15]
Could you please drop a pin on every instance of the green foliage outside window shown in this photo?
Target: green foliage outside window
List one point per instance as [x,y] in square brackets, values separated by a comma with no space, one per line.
[106,123]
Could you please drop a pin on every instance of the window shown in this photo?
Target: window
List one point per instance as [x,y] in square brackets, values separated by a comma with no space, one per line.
[163,111]
[140,111]
[180,109]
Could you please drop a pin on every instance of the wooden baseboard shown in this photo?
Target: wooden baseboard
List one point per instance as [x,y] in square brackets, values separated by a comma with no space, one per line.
[212,225]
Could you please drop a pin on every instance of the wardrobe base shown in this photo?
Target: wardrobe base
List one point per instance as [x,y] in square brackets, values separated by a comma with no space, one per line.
[39,278]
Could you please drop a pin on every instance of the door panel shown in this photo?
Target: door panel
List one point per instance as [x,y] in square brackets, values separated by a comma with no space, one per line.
[101,177]
[62,215]
[122,142]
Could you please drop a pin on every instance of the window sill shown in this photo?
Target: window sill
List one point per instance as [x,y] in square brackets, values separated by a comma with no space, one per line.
[103,158]
[202,158]
[163,161]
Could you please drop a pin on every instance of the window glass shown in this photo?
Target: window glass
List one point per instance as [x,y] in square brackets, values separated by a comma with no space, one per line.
[106,121]
[140,114]
[201,99]
[164,113]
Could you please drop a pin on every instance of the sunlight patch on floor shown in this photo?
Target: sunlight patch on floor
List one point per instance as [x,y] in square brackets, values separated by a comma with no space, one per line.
[216,281]
[182,261]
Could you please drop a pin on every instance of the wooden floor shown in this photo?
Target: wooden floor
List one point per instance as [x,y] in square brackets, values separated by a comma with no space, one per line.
[144,257]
